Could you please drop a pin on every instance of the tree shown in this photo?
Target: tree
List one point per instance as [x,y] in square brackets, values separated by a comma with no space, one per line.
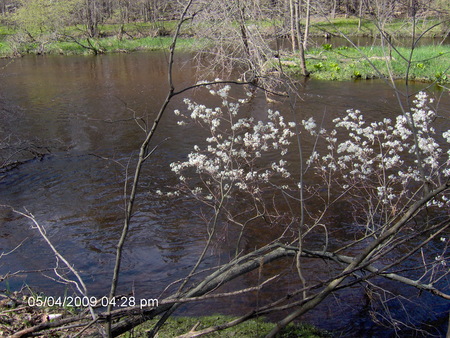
[44,16]
[40,22]
[296,34]
[237,41]
[358,169]
[92,17]
[391,176]
[8,6]
[371,169]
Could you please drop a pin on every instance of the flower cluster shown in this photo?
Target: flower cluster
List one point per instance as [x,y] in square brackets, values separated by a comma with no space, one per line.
[441,260]
[233,154]
[385,156]
[377,162]
[418,123]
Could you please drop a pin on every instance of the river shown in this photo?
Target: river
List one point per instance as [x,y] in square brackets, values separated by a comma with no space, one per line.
[78,113]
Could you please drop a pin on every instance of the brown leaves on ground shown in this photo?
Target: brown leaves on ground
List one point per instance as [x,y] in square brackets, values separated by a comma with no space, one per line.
[16,315]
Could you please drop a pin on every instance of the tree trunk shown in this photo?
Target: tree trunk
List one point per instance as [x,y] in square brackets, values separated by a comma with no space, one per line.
[92,18]
[292,24]
[360,14]
[308,18]
[298,31]
[333,11]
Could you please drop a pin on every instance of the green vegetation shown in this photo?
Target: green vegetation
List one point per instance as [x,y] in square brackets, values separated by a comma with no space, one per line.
[5,31]
[103,45]
[395,28]
[113,45]
[36,17]
[429,63]
[325,63]
[253,328]
[79,27]
[4,49]
[113,38]
[155,35]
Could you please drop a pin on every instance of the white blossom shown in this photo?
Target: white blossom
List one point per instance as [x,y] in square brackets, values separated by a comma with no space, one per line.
[230,151]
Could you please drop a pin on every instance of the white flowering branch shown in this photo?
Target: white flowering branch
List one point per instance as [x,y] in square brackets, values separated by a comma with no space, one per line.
[374,164]
[233,160]
[361,259]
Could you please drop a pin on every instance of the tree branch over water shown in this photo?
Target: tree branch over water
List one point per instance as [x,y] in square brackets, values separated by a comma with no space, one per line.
[261,205]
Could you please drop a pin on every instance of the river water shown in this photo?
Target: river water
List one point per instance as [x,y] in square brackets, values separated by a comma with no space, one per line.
[78,114]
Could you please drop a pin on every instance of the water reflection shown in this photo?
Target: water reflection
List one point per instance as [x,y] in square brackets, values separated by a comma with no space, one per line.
[87,105]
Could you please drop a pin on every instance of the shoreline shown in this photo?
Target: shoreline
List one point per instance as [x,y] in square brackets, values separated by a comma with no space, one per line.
[323,63]
[20,316]
[326,62]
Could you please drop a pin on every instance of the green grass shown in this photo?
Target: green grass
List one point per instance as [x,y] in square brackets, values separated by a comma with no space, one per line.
[147,43]
[253,328]
[5,49]
[429,63]
[346,26]
[18,317]
[137,36]
[105,45]
[6,30]
[395,28]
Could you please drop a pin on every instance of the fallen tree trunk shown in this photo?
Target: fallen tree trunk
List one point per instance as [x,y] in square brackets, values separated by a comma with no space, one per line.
[226,273]
[128,318]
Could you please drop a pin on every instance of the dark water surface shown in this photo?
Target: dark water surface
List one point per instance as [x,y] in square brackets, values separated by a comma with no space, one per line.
[82,109]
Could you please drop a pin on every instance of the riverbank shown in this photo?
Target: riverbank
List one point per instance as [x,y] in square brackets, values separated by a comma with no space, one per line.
[155,36]
[176,326]
[100,46]
[427,63]
[17,316]
[325,62]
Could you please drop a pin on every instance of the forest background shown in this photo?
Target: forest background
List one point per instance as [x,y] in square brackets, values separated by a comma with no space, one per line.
[93,27]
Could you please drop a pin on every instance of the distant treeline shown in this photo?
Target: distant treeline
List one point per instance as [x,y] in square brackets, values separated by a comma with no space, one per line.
[93,13]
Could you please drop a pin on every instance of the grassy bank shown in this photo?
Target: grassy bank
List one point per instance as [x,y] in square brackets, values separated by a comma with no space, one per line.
[155,35]
[327,62]
[429,63]
[396,28]
[112,38]
[115,45]
[176,326]
[103,45]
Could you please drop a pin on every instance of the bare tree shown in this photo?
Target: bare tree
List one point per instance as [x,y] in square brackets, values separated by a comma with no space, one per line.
[296,34]
[392,178]
[92,17]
